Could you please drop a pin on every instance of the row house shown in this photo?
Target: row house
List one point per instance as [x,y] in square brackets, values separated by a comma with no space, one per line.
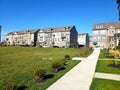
[48,37]
[24,37]
[104,34]
[90,42]
[83,39]
[57,37]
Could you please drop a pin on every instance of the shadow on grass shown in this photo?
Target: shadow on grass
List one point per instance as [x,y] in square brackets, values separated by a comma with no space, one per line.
[114,66]
[111,57]
[48,76]
[22,88]
[62,68]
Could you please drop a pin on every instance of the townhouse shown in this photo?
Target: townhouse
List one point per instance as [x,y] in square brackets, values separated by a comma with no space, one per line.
[83,39]
[106,35]
[58,37]
[23,37]
[49,37]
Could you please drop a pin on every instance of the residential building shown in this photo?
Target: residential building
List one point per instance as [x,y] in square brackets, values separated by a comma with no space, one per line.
[58,37]
[83,39]
[48,37]
[23,37]
[103,34]
[90,41]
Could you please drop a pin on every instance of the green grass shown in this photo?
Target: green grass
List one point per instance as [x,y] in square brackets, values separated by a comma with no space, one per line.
[107,66]
[102,84]
[104,54]
[17,64]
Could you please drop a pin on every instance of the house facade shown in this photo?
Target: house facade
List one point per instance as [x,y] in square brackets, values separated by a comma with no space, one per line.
[103,34]
[24,37]
[57,37]
[83,39]
[90,41]
[49,37]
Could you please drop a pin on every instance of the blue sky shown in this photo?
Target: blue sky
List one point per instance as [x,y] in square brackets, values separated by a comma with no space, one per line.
[32,14]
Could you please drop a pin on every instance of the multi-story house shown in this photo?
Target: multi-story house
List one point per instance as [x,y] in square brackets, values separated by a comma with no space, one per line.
[103,34]
[24,37]
[83,39]
[58,37]
[90,41]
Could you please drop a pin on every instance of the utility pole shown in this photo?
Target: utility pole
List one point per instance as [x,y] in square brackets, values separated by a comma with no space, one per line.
[118,2]
[0,33]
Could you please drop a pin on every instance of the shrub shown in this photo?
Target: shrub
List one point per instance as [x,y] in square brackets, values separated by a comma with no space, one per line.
[63,61]
[11,86]
[67,57]
[56,66]
[118,48]
[39,74]
[86,52]
[91,48]
[81,54]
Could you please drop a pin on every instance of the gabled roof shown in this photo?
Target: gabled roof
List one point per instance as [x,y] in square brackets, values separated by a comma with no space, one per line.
[32,31]
[83,34]
[102,26]
[57,29]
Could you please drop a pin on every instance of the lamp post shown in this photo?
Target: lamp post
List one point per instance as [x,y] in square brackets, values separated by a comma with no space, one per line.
[118,2]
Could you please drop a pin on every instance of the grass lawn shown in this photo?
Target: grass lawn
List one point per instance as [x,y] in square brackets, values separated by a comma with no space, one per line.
[17,64]
[104,54]
[107,66]
[103,84]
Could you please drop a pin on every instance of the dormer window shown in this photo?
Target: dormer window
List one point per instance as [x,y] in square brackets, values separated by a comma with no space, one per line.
[67,28]
[99,26]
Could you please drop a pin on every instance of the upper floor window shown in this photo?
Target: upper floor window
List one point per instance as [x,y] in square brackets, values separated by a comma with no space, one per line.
[111,32]
[99,26]
[95,32]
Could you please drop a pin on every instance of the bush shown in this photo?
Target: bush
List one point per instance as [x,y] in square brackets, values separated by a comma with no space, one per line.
[118,48]
[39,74]
[86,52]
[11,86]
[81,54]
[63,61]
[56,66]
[67,57]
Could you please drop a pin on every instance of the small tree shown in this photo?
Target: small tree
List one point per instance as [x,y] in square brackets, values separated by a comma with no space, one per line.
[11,86]
[63,61]
[67,57]
[56,66]
[39,74]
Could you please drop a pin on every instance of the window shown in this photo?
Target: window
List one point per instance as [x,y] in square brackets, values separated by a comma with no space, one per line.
[99,26]
[95,32]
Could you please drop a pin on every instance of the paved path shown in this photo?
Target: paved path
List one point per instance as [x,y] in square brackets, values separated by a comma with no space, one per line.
[80,77]
[107,76]
[109,59]
[78,58]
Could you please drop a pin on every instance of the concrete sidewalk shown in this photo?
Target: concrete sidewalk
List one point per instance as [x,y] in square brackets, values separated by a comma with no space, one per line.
[78,58]
[107,76]
[80,77]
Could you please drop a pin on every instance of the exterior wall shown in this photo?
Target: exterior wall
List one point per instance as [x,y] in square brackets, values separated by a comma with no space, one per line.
[59,39]
[50,37]
[73,37]
[104,33]
[99,36]
[83,39]
[20,39]
[62,38]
